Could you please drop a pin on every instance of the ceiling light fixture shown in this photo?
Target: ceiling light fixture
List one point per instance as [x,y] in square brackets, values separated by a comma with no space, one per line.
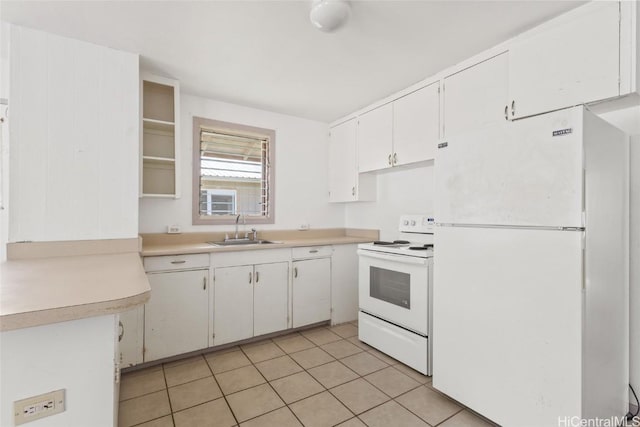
[329,15]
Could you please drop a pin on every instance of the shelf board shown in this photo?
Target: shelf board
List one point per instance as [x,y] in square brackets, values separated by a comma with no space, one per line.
[159,125]
[159,196]
[153,159]
[159,122]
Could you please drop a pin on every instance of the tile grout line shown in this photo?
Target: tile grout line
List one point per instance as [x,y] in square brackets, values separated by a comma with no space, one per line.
[305,370]
[343,403]
[173,421]
[448,418]
[224,396]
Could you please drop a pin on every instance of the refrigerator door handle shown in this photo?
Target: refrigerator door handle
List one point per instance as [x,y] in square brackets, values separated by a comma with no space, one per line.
[512,227]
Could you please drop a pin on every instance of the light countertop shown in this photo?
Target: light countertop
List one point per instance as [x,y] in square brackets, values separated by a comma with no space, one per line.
[193,243]
[198,248]
[41,291]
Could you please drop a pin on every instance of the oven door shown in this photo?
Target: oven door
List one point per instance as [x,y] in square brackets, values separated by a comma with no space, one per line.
[394,288]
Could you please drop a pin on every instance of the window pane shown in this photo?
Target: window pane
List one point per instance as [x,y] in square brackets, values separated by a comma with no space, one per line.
[234,173]
[391,286]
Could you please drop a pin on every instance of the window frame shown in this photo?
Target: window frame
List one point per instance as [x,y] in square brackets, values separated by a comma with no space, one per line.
[269,134]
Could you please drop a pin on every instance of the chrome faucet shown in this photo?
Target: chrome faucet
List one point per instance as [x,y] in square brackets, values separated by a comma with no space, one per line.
[237,219]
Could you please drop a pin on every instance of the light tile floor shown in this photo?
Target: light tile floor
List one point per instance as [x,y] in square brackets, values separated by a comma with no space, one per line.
[320,377]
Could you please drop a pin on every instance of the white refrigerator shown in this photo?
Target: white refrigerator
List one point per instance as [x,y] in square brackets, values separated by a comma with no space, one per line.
[530,305]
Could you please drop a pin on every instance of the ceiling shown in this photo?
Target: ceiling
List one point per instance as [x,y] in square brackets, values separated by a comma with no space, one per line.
[266,54]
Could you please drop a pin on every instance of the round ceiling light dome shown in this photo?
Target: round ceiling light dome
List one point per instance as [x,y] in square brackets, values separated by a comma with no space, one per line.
[329,15]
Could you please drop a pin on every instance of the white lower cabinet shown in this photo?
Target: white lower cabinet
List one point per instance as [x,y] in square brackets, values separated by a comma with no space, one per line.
[344,284]
[253,293]
[130,337]
[176,317]
[270,298]
[249,300]
[311,291]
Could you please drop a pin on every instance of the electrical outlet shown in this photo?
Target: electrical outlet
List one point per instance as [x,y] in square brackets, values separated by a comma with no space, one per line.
[174,229]
[304,226]
[36,407]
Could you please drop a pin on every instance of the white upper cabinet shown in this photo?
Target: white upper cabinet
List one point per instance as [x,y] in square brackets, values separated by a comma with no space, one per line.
[375,133]
[569,61]
[74,130]
[476,96]
[345,184]
[416,125]
[401,132]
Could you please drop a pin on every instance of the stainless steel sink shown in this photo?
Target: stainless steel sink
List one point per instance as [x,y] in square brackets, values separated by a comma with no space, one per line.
[243,242]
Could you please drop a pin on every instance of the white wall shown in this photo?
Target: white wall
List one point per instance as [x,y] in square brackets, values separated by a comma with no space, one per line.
[628,119]
[4,140]
[301,170]
[77,356]
[634,257]
[404,190]
[74,138]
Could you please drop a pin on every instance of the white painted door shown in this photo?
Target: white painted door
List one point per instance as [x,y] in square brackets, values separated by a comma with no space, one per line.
[311,291]
[176,316]
[416,125]
[270,298]
[343,166]
[130,336]
[476,96]
[375,135]
[573,62]
[508,318]
[515,173]
[233,304]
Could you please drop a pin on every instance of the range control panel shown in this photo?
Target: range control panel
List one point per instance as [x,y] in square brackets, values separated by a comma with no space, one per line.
[417,224]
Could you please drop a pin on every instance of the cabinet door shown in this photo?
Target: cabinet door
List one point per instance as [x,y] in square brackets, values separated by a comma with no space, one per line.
[311,291]
[343,166]
[375,133]
[176,315]
[130,337]
[476,96]
[572,62]
[416,122]
[270,298]
[233,304]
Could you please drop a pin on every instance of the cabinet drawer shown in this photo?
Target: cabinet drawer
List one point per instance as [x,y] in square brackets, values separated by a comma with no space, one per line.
[176,262]
[311,252]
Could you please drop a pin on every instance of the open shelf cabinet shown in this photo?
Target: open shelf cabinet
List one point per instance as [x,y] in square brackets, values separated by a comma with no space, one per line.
[160,128]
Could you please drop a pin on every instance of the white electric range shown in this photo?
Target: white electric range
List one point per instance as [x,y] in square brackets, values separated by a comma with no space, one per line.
[395,293]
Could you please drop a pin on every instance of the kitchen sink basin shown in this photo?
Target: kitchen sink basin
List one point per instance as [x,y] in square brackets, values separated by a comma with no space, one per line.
[243,242]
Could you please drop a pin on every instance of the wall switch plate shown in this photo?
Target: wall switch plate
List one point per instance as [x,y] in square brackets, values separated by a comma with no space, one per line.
[36,407]
[174,229]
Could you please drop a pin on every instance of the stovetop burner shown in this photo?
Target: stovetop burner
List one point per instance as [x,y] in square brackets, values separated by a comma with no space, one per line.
[421,248]
[394,243]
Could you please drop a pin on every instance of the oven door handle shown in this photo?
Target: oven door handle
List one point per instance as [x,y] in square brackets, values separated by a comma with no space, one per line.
[405,259]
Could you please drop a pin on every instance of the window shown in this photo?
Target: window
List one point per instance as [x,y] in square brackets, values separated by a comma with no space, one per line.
[232,173]
[218,202]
